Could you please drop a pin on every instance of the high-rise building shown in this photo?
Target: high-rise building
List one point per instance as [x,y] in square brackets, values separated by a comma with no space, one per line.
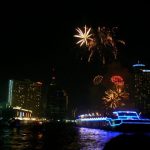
[57,101]
[25,94]
[141,88]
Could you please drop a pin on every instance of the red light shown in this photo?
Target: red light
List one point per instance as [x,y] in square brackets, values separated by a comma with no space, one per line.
[118,80]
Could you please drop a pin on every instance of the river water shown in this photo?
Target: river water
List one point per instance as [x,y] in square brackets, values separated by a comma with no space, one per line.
[56,137]
[94,139]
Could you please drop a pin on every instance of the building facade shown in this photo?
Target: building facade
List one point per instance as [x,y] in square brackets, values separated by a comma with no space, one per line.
[57,102]
[26,94]
[141,87]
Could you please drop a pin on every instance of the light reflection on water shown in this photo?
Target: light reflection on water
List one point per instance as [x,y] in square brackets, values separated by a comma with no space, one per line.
[63,138]
[95,139]
[19,139]
[25,139]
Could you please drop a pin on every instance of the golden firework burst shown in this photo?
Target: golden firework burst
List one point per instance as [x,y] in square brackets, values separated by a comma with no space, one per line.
[84,36]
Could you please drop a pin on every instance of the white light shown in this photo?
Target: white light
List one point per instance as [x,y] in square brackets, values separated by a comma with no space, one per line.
[139,65]
[10,89]
[146,70]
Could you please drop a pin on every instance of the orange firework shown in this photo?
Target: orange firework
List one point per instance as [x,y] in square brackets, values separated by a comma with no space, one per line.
[97,79]
[100,41]
[113,98]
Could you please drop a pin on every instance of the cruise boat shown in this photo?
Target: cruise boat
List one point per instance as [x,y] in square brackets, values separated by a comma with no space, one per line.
[119,120]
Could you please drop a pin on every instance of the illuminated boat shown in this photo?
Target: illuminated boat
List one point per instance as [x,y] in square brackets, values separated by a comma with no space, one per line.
[120,120]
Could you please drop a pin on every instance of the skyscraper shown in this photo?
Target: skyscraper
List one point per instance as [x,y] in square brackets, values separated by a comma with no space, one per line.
[57,101]
[141,87]
[25,94]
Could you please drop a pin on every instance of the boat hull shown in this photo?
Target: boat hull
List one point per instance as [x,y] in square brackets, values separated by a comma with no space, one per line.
[120,121]
[123,126]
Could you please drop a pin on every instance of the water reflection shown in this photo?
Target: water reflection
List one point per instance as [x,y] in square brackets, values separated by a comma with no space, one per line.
[12,138]
[64,137]
[94,139]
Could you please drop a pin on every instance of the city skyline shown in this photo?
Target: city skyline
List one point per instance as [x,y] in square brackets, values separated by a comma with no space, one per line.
[74,74]
[35,42]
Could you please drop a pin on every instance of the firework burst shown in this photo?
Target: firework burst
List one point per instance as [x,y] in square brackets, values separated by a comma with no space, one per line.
[97,79]
[117,80]
[99,41]
[112,98]
[84,36]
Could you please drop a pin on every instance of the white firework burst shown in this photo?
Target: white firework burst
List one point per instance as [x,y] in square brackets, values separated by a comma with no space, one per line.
[84,36]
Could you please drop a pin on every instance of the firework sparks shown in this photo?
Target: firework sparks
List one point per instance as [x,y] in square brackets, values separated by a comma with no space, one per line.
[83,36]
[107,39]
[100,41]
[117,80]
[123,94]
[97,79]
[113,98]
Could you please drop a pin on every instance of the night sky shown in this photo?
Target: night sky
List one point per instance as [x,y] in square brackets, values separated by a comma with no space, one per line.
[36,38]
